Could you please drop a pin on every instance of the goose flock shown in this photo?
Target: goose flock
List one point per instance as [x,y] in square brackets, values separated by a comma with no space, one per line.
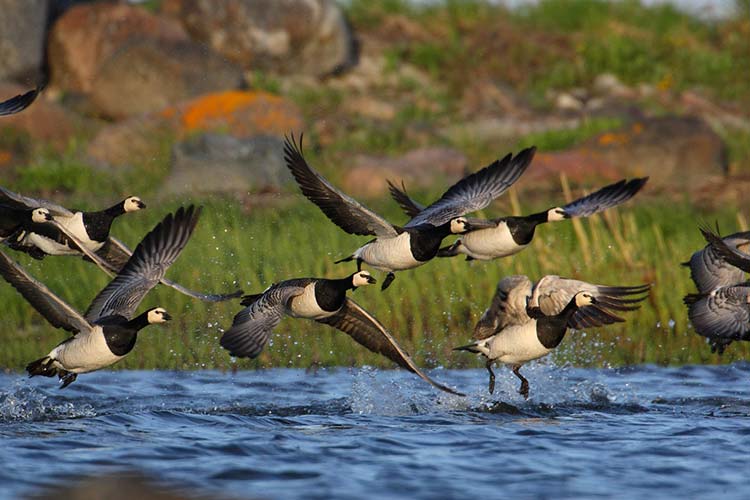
[526,320]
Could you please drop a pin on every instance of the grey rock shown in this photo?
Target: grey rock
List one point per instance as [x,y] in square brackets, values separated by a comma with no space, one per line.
[213,163]
[148,75]
[309,37]
[23,26]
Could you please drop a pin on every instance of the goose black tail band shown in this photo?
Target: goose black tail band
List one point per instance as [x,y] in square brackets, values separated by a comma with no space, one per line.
[42,366]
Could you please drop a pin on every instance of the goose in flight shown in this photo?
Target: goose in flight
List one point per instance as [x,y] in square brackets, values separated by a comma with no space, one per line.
[506,236]
[325,301]
[722,262]
[398,248]
[108,330]
[74,232]
[19,103]
[526,321]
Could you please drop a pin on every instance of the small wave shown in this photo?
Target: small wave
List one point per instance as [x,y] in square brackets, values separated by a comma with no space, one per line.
[23,403]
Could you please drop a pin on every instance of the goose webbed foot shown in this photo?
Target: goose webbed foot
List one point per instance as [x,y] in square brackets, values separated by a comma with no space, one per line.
[388,280]
[67,378]
[524,390]
[492,376]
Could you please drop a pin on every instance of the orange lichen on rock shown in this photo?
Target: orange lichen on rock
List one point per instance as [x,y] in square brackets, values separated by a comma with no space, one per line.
[239,113]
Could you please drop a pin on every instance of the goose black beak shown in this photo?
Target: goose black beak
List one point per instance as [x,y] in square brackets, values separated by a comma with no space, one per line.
[141,205]
[371,280]
[48,217]
[594,300]
[166,316]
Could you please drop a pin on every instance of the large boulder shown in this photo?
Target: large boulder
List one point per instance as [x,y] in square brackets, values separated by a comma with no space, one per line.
[86,35]
[149,75]
[287,36]
[23,27]
[237,113]
[418,168]
[673,151]
[214,163]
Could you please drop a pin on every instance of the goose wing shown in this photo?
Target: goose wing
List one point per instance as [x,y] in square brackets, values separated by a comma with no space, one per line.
[147,266]
[508,307]
[367,331]
[552,293]
[728,252]
[410,206]
[116,254]
[11,199]
[475,191]
[606,197]
[58,313]
[341,209]
[723,313]
[252,326]
[18,103]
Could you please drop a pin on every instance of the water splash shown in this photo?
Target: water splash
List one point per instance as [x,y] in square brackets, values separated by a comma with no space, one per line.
[23,403]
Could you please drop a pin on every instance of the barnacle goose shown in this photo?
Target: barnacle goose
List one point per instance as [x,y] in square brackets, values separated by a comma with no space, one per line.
[506,236]
[525,321]
[323,300]
[107,332]
[720,262]
[397,248]
[19,103]
[83,233]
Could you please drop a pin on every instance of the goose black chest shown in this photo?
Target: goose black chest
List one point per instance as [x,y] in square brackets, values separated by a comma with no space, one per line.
[425,240]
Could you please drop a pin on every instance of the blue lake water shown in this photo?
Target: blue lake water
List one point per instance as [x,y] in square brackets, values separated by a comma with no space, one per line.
[364,433]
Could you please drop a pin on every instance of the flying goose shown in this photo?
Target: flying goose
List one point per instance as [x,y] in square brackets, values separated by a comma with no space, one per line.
[506,236]
[721,315]
[19,103]
[107,331]
[323,300]
[13,221]
[720,262]
[517,322]
[398,248]
[73,232]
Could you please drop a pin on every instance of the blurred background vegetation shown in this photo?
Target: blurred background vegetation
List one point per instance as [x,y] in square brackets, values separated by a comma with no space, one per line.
[605,90]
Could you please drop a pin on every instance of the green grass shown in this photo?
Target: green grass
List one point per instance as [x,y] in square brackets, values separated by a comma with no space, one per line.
[430,309]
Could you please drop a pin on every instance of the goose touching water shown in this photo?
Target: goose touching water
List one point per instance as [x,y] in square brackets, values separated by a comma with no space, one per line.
[506,236]
[108,330]
[325,301]
[526,321]
[74,232]
[398,248]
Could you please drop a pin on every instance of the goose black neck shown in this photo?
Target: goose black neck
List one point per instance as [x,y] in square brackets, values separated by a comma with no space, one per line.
[138,322]
[330,294]
[551,329]
[99,223]
[522,228]
[425,240]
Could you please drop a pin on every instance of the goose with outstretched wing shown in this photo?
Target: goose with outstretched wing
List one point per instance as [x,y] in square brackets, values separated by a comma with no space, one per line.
[109,329]
[398,248]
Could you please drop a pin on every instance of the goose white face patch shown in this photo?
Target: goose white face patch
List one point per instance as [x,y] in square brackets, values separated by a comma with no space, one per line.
[458,225]
[362,278]
[132,204]
[40,215]
[555,214]
[158,315]
[584,299]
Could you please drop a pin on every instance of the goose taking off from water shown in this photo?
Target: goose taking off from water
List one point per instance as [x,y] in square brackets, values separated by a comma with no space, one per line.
[525,321]
[323,300]
[397,248]
[108,331]
[722,262]
[72,232]
[19,103]
[506,236]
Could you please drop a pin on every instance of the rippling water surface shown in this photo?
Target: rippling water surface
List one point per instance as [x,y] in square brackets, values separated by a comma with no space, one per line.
[365,433]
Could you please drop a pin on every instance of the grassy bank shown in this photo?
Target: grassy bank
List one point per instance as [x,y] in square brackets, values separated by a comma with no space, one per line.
[430,309]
